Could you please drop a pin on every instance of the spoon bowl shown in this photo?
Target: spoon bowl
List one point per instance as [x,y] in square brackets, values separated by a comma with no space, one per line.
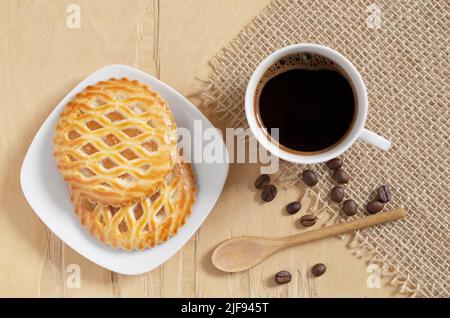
[241,253]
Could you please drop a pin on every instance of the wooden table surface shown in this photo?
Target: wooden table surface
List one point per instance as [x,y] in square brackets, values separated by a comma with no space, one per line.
[41,59]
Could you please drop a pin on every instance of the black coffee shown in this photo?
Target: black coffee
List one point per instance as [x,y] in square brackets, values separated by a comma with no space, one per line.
[309,99]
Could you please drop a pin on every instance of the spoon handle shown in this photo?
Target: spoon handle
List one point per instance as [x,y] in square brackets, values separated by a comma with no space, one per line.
[344,227]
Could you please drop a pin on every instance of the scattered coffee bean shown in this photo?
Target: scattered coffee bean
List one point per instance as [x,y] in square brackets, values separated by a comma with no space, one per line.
[293,207]
[341,176]
[283,277]
[384,193]
[309,177]
[350,207]
[335,163]
[374,207]
[269,193]
[262,181]
[337,194]
[318,269]
[308,220]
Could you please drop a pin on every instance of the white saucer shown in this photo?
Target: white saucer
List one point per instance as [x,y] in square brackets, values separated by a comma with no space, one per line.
[48,194]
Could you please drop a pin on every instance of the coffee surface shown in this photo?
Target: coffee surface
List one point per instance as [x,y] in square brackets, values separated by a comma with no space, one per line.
[311,104]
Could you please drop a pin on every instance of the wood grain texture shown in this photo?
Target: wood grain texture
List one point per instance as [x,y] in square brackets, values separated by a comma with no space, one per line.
[41,60]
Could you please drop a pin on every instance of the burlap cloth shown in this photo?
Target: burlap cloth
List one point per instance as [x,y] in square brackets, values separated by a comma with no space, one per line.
[404,62]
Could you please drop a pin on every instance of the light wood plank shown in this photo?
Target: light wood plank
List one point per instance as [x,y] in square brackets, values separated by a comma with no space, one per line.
[191,32]
[146,58]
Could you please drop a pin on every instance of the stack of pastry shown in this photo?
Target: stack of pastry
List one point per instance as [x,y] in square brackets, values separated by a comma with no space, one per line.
[116,146]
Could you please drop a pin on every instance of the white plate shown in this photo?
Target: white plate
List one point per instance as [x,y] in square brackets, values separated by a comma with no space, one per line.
[48,195]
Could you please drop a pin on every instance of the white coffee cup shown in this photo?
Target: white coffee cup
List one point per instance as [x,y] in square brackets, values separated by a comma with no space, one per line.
[356,131]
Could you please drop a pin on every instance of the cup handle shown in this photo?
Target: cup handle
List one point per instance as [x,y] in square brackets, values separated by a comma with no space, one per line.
[375,140]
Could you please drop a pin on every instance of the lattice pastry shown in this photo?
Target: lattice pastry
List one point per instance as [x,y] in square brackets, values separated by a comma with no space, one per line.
[142,224]
[115,142]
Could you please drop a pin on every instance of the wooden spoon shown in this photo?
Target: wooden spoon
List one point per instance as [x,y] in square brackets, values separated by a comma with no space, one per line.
[242,253]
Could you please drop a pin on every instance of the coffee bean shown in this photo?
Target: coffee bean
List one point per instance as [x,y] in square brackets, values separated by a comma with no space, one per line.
[318,269]
[341,176]
[269,193]
[337,194]
[335,163]
[293,207]
[309,177]
[374,207]
[262,181]
[350,207]
[384,193]
[308,220]
[283,277]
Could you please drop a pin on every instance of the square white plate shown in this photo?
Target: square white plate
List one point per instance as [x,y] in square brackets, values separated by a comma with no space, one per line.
[48,195]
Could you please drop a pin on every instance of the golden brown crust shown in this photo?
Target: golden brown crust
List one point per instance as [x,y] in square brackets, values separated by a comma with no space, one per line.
[115,142]
[143,224]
